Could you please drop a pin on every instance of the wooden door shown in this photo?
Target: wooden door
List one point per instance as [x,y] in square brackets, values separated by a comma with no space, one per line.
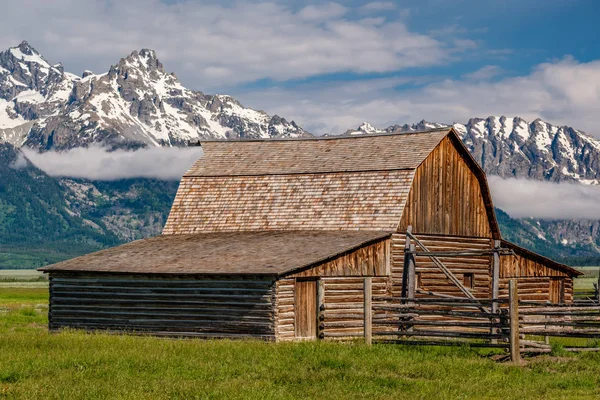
[306,309]
[557,290]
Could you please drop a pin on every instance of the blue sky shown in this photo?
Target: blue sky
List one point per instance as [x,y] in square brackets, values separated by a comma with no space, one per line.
[332,65]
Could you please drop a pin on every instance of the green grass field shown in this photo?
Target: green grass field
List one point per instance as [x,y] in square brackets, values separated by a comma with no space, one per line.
[75,365]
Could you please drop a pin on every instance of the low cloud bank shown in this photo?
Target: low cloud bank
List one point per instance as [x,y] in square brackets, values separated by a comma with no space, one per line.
[96,163]
[522,198]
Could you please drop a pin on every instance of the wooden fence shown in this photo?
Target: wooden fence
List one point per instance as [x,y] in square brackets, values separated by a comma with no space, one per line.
[518,326]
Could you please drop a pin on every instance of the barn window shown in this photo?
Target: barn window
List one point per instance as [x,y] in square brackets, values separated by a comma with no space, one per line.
[468,280]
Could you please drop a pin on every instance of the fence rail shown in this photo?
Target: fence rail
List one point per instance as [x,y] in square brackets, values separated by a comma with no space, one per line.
[443,321]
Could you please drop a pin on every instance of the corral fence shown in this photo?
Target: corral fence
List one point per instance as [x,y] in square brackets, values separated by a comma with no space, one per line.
[518,326]
[588,296]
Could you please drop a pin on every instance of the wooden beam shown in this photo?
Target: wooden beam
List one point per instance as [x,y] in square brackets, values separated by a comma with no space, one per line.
[442,267]
[404,292]
[320,307]
[368,310]
[411,282]
[495,278]
[513,310]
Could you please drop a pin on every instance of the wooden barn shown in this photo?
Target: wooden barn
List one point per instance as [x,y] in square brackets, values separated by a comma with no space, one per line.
[264,234]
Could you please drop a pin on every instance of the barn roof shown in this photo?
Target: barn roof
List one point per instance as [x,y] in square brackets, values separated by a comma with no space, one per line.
[270,253]
[334,183]
[382,152]
[523,252]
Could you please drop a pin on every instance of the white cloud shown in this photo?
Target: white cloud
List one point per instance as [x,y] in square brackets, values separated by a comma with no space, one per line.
[563,92]
[376,6]
[322,12]
[213,45]
[98,164]
[522,198]
[484,73]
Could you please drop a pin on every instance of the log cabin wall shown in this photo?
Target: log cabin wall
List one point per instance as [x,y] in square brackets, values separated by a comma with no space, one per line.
[195,306]
[430,278]
[535,280]
[349,292]
[342,281]
[285,317]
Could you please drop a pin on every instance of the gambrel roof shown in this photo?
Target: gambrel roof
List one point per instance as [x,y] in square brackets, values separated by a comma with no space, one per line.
[383,152]
[333,183]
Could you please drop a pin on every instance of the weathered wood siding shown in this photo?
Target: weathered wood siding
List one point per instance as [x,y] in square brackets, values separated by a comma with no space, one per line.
[446,197]
[215,306]
[540,289]
[349,292]
[369,260]
[517,266]
[534,280]
[432,278]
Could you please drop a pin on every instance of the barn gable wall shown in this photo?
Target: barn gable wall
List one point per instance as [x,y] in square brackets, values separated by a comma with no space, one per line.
[446,197]
[369,260]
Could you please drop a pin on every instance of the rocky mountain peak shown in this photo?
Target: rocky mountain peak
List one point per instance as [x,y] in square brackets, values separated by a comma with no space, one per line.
[136,103]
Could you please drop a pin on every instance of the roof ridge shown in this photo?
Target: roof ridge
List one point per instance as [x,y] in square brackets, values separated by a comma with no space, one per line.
[318,138]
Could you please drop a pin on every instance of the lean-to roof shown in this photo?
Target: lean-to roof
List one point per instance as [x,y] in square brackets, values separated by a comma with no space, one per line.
[264,253]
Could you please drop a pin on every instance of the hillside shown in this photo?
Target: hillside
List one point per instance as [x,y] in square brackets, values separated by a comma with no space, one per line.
[45,220]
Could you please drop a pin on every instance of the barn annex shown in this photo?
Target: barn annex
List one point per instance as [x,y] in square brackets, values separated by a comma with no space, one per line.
[262,233]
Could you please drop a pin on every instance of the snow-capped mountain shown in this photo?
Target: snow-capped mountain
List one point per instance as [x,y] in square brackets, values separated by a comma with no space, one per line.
[136,103]
[513,147]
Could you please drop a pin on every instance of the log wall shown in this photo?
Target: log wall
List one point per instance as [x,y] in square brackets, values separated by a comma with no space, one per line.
[538,289]
[215,306]
[431,278]
[344,304]
[446,197]
[285,317]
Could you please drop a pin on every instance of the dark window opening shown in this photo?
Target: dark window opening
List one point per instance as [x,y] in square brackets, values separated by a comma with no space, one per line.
[468,281]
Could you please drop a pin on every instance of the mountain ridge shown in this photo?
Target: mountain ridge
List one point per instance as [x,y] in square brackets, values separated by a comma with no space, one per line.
[515,148]
[136,103]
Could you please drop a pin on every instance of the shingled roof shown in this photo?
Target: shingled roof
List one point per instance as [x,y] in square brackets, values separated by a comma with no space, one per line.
[335,183]
[270,253]
[383,152]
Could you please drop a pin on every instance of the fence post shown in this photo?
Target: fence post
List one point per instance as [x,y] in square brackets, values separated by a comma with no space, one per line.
[405,267]
[412,284]
[598,288]
[513,309]
[368,312]
[320,305]
[495,284]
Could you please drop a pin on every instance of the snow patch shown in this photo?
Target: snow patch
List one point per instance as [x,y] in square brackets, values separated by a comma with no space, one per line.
[30,96]
[36,58]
